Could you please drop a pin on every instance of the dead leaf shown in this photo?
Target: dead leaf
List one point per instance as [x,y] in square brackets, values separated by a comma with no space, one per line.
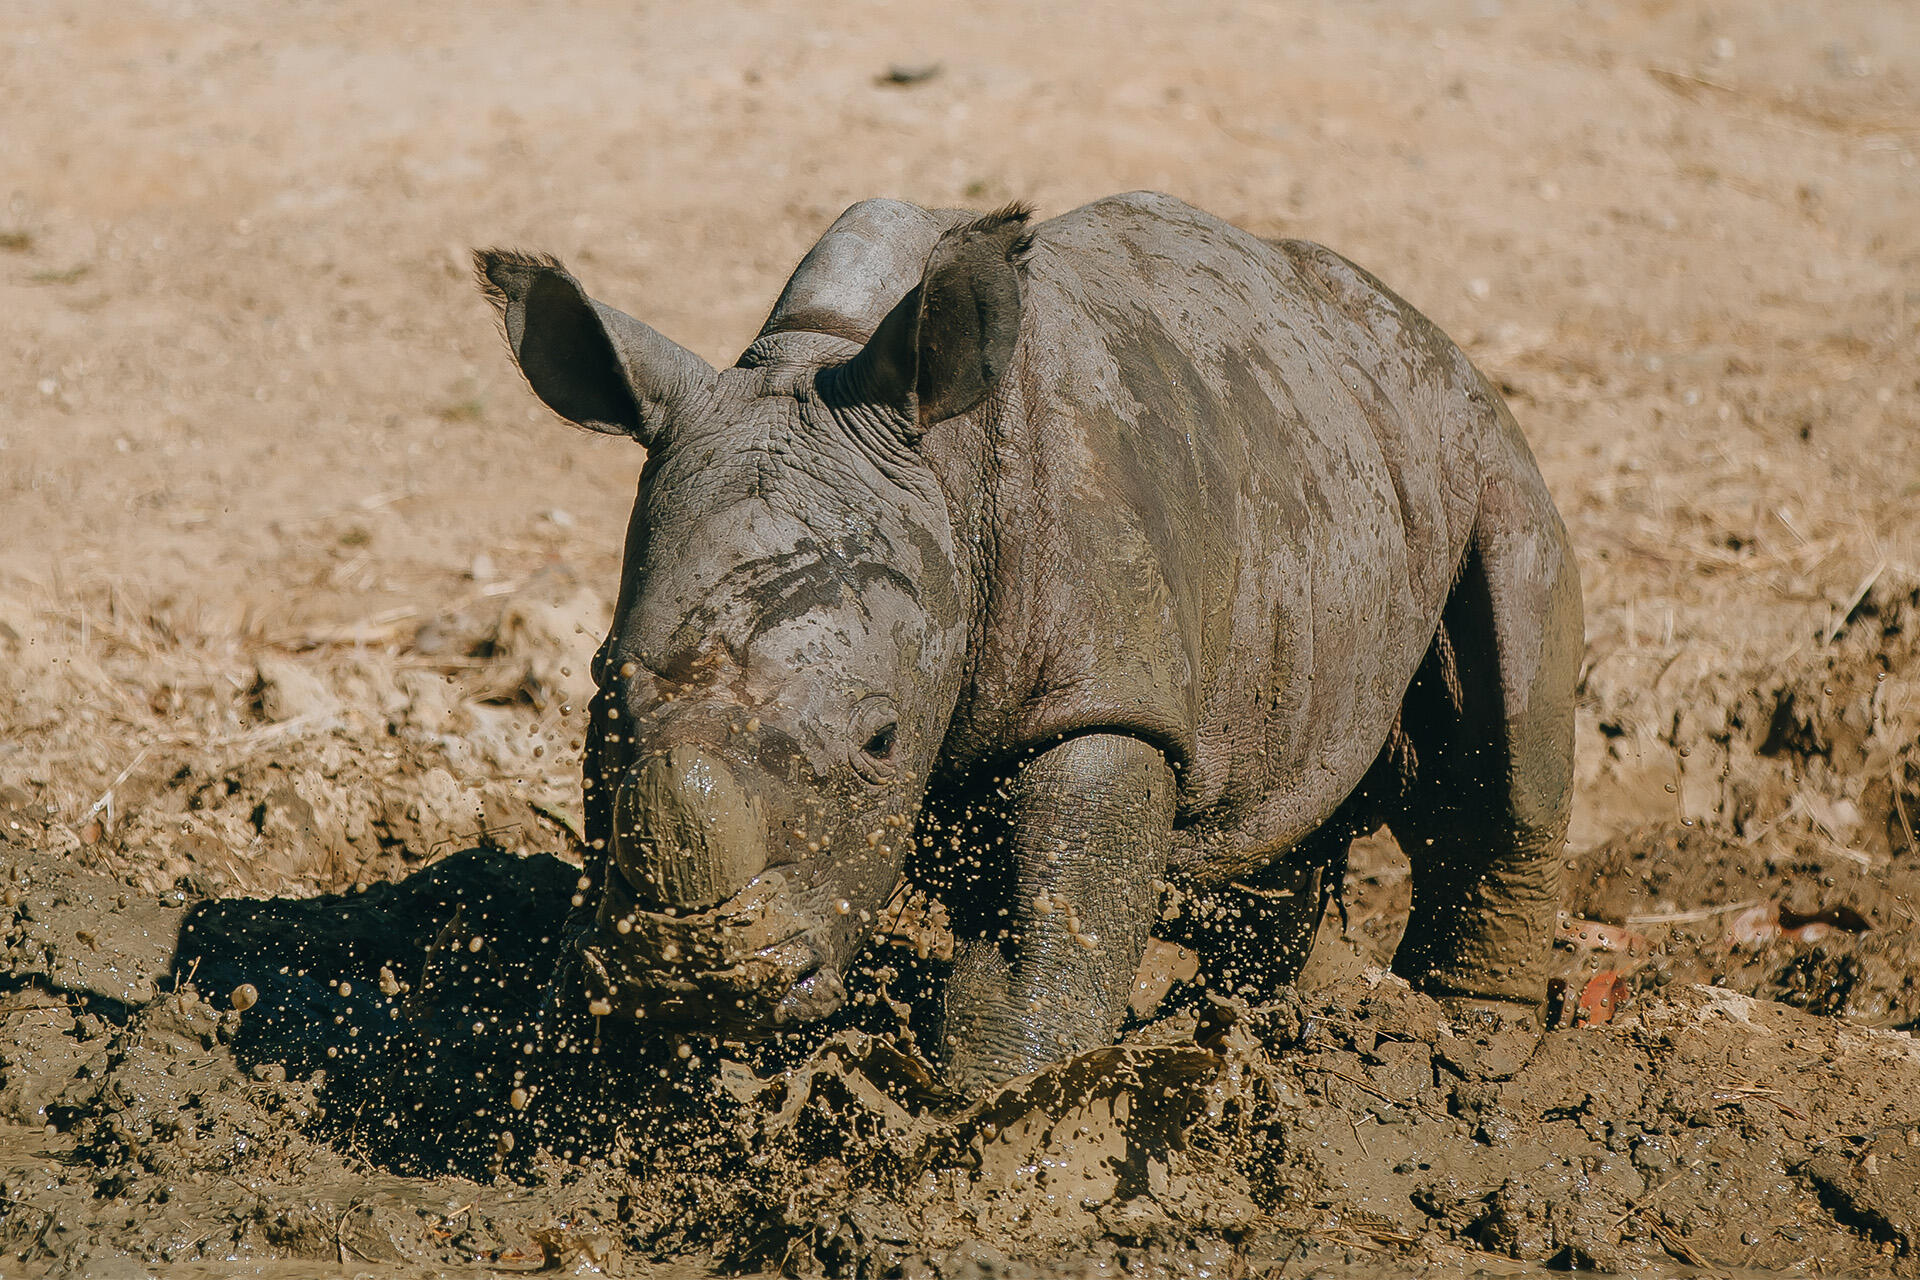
[1602,997]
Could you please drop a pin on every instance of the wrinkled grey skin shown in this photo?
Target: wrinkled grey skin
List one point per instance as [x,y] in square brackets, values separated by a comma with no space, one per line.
[1119,552]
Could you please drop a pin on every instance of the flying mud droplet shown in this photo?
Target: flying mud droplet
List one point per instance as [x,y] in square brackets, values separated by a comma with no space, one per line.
[600,1008]
[245,996]
[518,1099]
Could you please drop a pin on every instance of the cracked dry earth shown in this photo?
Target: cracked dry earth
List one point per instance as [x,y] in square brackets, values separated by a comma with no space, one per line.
[297,592]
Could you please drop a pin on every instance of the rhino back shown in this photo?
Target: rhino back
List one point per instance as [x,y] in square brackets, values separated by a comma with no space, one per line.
[1234,483]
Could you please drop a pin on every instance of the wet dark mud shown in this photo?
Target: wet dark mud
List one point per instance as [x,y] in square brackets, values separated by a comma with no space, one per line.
[395,1093]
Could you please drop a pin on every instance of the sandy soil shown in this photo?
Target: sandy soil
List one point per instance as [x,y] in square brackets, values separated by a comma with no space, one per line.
[297,587]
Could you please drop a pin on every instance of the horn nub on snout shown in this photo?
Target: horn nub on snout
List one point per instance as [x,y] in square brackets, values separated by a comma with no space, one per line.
[687,832]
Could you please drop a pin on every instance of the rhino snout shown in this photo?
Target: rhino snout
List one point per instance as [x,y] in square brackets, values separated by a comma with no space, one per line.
[687,831]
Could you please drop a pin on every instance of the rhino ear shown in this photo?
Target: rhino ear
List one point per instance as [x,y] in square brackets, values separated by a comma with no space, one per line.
[592,365]
[944,347]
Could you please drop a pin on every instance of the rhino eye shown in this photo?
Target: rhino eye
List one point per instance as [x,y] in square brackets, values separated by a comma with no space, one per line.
[872,739]
[880,745]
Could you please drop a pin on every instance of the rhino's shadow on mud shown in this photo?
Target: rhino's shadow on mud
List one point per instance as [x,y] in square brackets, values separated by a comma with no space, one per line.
[428,1008]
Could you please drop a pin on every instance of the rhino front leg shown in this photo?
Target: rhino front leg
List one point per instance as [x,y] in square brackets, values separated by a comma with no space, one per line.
[1047,970]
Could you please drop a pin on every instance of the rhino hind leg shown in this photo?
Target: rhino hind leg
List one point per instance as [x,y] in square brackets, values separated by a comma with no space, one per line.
[1487,727]
[1252,935]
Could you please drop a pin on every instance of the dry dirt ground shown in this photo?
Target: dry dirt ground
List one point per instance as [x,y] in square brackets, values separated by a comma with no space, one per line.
[297,586]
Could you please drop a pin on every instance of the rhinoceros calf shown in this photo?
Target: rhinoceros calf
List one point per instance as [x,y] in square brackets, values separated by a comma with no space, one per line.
[1120,560]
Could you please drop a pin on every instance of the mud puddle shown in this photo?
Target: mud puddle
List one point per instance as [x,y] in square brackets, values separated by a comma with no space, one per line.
[393,1098]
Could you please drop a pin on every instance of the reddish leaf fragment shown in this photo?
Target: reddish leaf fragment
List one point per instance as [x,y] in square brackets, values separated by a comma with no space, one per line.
[1602,997]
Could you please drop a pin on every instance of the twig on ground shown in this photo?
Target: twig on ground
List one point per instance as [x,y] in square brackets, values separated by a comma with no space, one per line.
[339,1232]
[1647,1199]
[1853,602]
[1694,916]
[106,797]
[560,818]
[1900,806]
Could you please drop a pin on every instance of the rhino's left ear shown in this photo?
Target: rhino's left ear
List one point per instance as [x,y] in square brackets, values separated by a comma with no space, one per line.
[944,347]
[592,365]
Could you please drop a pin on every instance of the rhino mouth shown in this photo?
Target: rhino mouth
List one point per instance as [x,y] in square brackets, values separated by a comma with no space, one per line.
[748,967]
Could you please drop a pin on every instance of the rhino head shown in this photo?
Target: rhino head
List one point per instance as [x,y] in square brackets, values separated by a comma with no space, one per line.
[791,634]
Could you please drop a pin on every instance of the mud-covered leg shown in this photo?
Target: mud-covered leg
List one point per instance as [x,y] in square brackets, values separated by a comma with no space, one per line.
[1254,934]
[1090,826]
[1490,723]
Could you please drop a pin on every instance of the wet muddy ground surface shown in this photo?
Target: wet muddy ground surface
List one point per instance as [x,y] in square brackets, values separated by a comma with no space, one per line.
[393,1094]
[297,591]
